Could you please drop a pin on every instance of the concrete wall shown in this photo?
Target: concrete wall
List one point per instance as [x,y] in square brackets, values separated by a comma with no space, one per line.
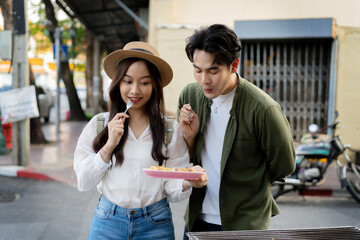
[171,45]
[171,21]
[203,12]
[348,85]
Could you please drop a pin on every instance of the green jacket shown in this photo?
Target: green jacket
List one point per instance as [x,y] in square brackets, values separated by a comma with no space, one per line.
[258,149]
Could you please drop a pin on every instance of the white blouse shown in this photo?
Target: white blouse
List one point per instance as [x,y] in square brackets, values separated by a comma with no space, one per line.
[127,185]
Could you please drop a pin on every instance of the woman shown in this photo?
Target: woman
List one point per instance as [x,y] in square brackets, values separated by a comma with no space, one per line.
[133,205]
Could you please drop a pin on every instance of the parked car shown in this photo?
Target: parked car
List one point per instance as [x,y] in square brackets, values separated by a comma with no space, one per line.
[46,102]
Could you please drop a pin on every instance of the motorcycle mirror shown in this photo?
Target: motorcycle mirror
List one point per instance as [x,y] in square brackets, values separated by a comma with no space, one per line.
[313,128]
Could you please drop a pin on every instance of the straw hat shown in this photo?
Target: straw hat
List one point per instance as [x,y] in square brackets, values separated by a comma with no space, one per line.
[141,50]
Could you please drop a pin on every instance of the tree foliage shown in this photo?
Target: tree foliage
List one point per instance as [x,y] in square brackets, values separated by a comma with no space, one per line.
[76,111]
[39,30]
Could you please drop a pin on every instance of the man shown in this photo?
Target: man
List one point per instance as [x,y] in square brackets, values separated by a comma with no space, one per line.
[236,132]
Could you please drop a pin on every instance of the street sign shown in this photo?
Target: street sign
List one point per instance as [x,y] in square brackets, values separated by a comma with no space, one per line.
[64,53]
[18,104]
[5,44]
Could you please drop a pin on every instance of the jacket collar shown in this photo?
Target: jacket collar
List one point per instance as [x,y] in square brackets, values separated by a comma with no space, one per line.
[236,95]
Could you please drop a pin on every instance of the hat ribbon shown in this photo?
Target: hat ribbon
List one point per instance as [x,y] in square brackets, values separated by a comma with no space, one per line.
[141,50]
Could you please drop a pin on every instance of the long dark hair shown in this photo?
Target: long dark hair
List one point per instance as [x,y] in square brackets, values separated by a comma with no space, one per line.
[155,109]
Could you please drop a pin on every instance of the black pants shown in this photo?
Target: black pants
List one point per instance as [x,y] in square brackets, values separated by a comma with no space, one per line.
[202,226]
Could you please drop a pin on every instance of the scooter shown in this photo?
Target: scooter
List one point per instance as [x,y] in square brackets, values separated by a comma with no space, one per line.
[314,155]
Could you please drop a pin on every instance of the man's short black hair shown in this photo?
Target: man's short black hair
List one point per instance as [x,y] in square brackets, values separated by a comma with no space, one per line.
[217,39]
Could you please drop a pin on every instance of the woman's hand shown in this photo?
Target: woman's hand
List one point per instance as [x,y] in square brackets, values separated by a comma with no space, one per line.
[116,129]
[200,182]
[115,132]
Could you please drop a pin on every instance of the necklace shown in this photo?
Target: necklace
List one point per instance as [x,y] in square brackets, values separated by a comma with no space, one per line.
[221,103]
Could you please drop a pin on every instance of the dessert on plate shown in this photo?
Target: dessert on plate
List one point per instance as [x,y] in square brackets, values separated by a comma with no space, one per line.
[172,169]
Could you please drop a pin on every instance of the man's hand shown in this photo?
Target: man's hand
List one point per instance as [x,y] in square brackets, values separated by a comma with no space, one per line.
[189,122]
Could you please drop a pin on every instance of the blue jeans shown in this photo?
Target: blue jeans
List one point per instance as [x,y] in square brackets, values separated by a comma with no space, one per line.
[113,222]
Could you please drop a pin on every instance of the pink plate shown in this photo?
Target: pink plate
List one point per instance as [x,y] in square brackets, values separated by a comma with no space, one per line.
[172,174]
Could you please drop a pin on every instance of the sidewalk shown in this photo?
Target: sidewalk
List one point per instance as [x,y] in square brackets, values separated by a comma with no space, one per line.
[52,161]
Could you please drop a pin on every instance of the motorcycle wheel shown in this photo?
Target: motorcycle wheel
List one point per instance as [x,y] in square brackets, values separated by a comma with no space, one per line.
[278,189]
[275,190]
[353,186]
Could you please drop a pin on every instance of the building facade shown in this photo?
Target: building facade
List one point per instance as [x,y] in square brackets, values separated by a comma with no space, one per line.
[321,72]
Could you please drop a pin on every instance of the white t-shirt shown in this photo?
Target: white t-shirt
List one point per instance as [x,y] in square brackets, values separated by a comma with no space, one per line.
[211,155]
[128,186]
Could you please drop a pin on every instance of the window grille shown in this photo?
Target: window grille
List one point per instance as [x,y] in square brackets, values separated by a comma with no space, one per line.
[295,74]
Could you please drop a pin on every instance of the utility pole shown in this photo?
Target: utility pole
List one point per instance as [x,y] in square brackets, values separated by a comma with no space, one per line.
[96,77]
[20,79]
[58,37]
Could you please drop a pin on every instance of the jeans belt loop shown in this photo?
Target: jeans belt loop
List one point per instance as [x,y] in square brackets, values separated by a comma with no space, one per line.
[145,211]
